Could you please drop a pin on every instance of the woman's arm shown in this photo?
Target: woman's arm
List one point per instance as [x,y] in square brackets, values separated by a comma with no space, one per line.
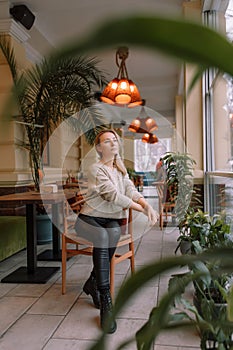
[107,186]
[137,207]
[139,202]
[148,211]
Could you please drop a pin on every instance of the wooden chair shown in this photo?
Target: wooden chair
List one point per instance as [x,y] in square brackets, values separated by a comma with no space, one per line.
[166,202]
[73,245]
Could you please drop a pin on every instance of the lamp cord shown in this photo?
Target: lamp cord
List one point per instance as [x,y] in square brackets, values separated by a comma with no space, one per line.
[122,54]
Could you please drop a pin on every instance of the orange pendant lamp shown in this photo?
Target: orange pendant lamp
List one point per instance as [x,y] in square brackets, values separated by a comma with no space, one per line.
[121,91]
[149,138]
[143,123]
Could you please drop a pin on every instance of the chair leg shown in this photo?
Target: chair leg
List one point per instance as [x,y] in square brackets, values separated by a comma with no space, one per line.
[63,264]
[161,216]
[132,261]
[161,221]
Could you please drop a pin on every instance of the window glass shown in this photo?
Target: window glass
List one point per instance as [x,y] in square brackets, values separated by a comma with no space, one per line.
[147,155]
[218,121]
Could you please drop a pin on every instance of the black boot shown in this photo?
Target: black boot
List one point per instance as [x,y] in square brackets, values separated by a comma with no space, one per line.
[90,287]
[108,324]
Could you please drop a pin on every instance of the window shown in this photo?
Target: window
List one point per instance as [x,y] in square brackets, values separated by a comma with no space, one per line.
[147,155]
[218,135]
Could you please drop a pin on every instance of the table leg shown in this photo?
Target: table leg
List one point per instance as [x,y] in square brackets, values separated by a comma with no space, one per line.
[31,273]
[54,254]
[31,237]
[57,227]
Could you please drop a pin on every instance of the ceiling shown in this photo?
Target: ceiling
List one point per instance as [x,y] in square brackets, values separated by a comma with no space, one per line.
[157,76]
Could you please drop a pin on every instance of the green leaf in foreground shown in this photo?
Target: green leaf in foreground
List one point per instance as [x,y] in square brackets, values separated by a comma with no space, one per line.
[158,316]
[190,41]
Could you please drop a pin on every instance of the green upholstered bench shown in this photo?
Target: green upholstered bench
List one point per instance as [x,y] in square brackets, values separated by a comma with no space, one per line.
[12,235]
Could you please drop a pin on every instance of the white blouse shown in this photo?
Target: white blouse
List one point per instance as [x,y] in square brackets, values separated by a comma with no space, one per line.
[109,192]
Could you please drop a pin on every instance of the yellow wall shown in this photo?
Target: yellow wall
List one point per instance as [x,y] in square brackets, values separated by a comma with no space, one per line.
[193,118]
[14,166]
[221,126]
[189,120]
[180,124]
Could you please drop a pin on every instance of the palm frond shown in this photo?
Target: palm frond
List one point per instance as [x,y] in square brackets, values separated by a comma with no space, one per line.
[63,88]
[89,122]
[51,92]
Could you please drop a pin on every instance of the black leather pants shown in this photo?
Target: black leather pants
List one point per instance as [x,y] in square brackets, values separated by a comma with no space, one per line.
[104,233]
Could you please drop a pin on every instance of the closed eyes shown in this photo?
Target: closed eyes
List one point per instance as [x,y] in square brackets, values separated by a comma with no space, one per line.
[110,140]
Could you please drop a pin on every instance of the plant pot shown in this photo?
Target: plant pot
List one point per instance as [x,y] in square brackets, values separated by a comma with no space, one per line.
[211,344]
[218,305]
[185,247]
[44,229]
[209,340]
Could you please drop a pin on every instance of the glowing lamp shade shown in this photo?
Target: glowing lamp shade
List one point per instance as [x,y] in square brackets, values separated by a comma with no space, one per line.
[142,126]
[150,124]
[149,138]
[143,123]
[135,125]
[121,90]
[109,93]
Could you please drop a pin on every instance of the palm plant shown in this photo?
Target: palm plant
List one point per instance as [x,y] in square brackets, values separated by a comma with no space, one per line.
[51,92]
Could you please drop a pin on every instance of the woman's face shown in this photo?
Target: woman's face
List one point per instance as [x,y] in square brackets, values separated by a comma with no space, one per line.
[108,146]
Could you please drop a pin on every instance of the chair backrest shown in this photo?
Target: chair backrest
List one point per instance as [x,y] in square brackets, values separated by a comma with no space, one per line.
[162,191]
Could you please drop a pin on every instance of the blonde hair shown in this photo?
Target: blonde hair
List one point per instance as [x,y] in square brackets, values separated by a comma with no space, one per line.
[118,162]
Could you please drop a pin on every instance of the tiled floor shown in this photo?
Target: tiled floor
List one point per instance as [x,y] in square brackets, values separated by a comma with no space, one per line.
[38,316]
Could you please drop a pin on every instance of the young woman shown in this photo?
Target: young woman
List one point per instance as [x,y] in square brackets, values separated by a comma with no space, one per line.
[111,192]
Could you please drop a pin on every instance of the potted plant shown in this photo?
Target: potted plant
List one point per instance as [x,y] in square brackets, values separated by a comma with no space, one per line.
[179,181]
[174,310]
[212,289]
[201,231]
[44,101]
[193,231]
[209,309]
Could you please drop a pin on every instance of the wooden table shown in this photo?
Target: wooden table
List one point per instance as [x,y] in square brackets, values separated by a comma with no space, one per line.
[32,273]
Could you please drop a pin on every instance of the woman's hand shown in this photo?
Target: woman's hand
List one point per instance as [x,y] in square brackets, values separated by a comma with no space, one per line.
[151,214]
[143,206]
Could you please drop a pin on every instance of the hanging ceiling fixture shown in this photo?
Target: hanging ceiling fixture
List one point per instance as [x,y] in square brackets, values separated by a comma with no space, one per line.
[143,123]
[149,138]
[121,91]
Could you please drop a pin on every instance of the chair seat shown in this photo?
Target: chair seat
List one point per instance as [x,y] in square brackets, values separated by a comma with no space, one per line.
[77,239]
[124,237]
[80,240]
